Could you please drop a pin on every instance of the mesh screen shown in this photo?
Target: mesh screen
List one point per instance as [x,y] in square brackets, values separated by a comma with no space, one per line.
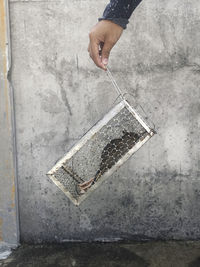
[95,157]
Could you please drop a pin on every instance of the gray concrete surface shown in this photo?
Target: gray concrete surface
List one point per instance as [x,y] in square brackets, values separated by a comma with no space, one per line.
[60,94]
[6,249]
[8,201]
[152,254]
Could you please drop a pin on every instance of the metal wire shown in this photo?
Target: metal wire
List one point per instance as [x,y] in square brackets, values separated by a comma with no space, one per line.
[120,94]
[114,83]
[146,116]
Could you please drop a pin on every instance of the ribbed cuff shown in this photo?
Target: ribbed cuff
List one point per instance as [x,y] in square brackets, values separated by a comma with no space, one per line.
[119,21]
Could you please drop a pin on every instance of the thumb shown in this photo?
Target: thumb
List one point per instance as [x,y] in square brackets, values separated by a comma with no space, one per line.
[106,52]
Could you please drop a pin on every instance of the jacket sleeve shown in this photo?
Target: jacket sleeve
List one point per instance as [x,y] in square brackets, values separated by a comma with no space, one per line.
[119,11]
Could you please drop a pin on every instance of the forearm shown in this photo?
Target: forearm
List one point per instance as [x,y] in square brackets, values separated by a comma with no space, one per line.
[119,11]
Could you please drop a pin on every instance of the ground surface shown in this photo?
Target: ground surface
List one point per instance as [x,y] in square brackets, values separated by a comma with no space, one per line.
[162,254]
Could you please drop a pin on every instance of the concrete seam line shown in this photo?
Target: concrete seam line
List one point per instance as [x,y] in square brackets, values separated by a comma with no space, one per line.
[13,121]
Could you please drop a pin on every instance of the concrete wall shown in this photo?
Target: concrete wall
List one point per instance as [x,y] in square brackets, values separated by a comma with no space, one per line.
[60,94]
[8,200]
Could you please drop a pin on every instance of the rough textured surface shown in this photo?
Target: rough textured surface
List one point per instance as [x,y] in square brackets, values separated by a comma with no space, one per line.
[60,94]
[8,206]
[6,249]
[147,254]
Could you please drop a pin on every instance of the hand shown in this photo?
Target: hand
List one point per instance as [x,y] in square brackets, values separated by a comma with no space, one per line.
[103,37]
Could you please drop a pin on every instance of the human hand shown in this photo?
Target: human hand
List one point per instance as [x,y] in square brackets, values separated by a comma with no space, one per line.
[103,37]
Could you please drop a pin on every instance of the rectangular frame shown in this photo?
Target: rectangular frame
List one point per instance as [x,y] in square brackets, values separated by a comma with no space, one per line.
[115,110]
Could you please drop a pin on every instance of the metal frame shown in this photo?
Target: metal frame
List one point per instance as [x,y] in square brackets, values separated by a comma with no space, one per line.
[89,135]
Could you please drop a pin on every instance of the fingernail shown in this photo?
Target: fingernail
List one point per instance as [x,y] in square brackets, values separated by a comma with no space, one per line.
[105,61]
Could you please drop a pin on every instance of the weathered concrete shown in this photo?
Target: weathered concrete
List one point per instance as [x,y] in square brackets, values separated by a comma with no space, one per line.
[151,254]
[8,202]
[60,94]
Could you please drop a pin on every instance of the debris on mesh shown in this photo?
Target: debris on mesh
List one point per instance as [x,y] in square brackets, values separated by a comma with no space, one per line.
[103,149]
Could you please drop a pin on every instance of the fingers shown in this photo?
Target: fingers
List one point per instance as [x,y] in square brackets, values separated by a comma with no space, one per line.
[101,57]
[93,49]
[106,52]
[103,37]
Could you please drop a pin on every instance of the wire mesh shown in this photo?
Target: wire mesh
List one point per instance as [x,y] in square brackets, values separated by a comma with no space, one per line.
[100,152]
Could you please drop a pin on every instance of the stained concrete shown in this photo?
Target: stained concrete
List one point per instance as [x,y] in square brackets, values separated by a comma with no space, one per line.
[60,94]
[152,254]
[8,185]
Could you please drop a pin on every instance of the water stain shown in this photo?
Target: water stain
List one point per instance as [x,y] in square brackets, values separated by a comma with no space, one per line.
[45,137]
[79,255]
[51,103]
[59,74]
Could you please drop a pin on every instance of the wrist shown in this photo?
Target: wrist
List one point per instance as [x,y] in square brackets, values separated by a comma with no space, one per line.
[122,23]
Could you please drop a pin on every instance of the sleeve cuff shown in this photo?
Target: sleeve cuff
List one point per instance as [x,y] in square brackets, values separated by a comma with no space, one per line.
[119,21]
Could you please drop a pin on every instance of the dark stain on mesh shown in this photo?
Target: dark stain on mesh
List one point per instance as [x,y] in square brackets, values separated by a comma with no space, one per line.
[74,175]
[115,150]
[111,154]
